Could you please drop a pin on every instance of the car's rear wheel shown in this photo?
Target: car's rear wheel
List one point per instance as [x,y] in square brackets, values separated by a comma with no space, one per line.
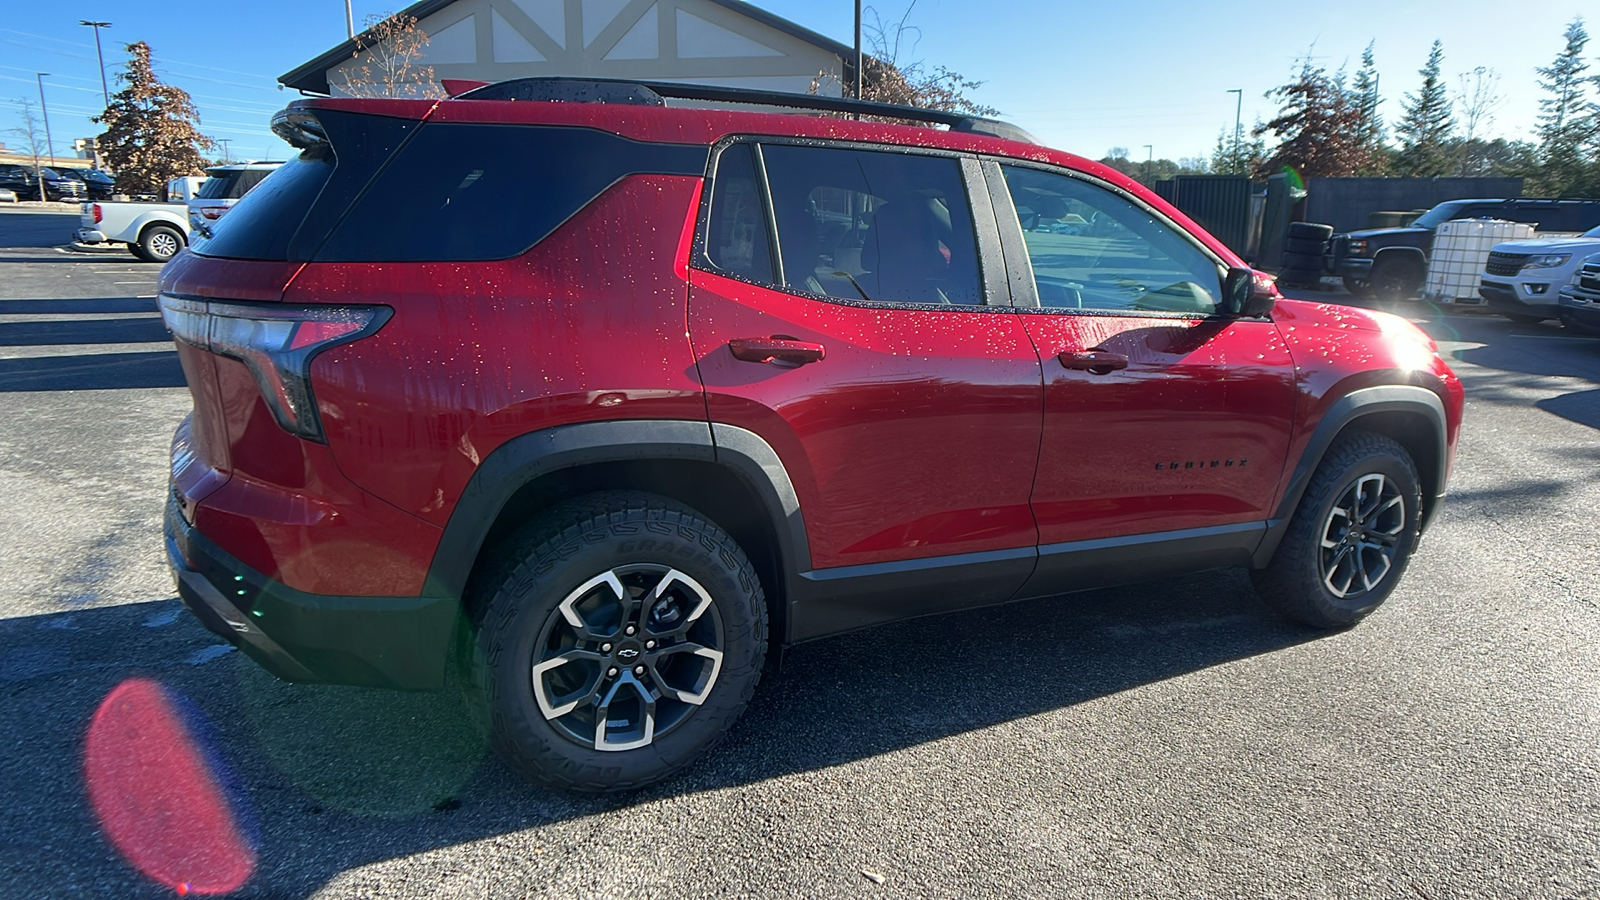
[160,243]
[620,637]
[1358,287]
[1350,539]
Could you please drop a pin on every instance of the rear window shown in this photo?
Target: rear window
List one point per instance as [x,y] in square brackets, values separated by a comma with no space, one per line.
[291,211]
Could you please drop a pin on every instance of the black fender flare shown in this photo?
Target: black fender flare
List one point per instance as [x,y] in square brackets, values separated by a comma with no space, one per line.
[1415,253]
[526,458]
[1407,398]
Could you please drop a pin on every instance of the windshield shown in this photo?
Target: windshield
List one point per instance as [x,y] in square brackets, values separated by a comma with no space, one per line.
[1440,214]
[220,185]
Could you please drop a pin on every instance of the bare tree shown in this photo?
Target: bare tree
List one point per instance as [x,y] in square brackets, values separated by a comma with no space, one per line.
[1477,98]
[33,134]
[388,59]
[887,78]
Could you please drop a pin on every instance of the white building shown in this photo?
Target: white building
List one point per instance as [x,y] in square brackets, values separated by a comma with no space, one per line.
[722,42]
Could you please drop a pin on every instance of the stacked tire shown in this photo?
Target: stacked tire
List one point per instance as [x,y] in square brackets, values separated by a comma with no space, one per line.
[1303,250]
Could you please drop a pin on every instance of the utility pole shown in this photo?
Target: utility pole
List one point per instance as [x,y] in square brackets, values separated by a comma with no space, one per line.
[105,92]
[858,51]
[49,151]
[224,143]
[349,20]
[1238,111]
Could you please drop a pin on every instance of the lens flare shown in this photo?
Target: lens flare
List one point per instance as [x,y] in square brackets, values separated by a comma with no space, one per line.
[162,795]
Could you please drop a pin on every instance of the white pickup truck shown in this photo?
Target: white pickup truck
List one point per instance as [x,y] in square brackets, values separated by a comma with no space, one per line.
[154,232]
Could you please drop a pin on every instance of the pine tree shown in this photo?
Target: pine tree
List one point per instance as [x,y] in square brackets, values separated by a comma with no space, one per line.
[1364,94]
[1425,129]
[1565,124]
[1318,126]
[152,130]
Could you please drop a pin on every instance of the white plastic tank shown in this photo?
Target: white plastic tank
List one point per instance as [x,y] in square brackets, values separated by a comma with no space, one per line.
[1460,252]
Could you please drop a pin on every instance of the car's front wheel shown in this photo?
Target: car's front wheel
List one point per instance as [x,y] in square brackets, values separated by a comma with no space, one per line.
[1350,539]
[620,637]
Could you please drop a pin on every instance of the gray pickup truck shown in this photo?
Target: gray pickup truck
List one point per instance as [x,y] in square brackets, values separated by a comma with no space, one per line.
[154,232]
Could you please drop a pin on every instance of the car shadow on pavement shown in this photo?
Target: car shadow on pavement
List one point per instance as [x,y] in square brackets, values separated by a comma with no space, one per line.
[142,330]
[91,372]
[342,777]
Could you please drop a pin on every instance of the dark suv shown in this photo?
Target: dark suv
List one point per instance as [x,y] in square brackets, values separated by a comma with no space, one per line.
[1392,263]
[600,400]
[24,181]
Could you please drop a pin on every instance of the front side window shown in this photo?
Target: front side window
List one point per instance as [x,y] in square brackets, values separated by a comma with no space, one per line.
[1093,249]
[874,226]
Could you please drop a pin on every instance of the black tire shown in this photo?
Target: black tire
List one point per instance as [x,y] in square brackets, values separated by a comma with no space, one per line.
[1292,260]
[1521,319]
[1358,287]
[1310,231]
[1302,581]
[1305,247]
[1396,278]
[545,566]
[138,252]
[160,243]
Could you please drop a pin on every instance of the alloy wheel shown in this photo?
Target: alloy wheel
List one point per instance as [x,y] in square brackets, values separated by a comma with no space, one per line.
[1361,536]
[627,656]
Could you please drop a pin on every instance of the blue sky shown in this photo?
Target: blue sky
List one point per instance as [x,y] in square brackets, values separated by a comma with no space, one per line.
[1082,77]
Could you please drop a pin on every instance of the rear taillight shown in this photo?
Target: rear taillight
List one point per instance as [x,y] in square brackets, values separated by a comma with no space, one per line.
[276,343]
[98,214]
[211,212]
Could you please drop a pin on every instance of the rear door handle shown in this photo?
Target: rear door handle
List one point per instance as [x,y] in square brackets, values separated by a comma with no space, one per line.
[1098,362]
[784,350]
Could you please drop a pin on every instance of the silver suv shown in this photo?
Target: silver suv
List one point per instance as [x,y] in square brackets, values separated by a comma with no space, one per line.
[223,187]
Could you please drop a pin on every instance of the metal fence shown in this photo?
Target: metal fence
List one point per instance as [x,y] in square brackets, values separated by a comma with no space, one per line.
[1345,203]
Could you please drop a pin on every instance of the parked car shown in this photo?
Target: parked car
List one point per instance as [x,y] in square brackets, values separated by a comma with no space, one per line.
[606,430]
[99,185]
[1579,305]
[223,187]
[1523,279]
[24,182]
[1392,263]
[154,232]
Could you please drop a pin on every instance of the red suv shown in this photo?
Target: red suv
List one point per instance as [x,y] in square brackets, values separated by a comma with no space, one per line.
[602,398]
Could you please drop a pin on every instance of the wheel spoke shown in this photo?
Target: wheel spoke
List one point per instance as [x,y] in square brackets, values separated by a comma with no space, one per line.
[556,707]
[698,596]
[570,613]
[646,727]
[703,684]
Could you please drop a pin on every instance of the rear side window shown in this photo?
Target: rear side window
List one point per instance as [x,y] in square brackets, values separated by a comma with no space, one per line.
[736,241]
[461,192]
[874,226]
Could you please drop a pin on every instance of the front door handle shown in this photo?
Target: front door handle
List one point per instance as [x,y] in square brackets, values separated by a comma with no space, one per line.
[776,349]
[1098,362]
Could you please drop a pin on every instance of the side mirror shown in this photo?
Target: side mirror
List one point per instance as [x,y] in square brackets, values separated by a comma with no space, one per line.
[1247,293]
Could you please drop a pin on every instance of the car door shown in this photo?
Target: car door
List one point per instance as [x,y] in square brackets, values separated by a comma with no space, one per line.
[848,309]
[1166,423]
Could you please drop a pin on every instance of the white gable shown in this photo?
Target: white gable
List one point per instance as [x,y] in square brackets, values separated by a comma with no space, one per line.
[699,39]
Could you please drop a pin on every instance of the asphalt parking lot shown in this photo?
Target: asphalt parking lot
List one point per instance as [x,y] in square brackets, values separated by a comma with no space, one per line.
[1164,740]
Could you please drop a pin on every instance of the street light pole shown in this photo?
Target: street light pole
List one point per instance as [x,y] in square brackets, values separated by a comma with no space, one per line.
[105,92]
[49,151]
[858,51]
[349,20]
[1238,111]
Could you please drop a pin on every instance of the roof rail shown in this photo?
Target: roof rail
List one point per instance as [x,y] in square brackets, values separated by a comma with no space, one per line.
[652,93]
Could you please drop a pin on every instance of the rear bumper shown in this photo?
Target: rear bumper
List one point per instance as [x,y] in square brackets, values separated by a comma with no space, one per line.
[393,642]
[91,236]
[1502,297]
